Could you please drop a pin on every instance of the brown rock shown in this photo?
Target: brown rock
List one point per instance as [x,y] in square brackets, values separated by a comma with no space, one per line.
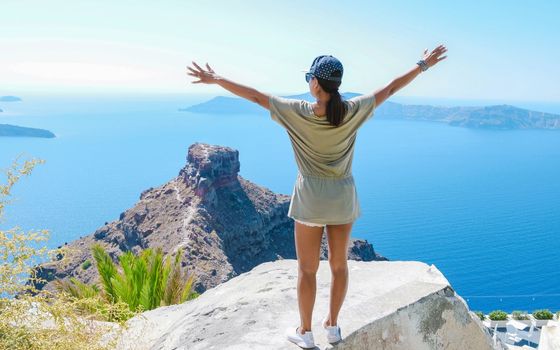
[225,224]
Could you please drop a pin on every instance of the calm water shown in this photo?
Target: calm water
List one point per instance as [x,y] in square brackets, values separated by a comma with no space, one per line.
[483,206]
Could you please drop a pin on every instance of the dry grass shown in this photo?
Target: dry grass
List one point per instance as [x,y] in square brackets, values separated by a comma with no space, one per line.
[32,319]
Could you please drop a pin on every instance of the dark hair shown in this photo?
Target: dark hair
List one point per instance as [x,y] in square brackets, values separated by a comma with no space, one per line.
[336,108]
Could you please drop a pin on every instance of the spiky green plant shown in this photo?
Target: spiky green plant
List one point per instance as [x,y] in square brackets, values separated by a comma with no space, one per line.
[175,292]
[143,282]
[107,271]
[77,289]
[152,290]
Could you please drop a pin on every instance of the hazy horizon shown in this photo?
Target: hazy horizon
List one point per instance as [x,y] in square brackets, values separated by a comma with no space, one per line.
[194,98]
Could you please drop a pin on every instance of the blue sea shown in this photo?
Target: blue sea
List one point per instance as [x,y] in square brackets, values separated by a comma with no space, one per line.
[482,205]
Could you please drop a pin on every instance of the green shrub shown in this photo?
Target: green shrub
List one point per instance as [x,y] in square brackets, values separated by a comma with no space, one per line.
[76,288]
[519,315]
[142,282]
[86,264]
[480,315]
[39,319]
[33,319]
[543,314]
[497,315]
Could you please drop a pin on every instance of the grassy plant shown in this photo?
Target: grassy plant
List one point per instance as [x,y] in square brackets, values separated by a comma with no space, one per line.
[74,317]
[480,315]
[497,315]
[543,314]
[30,319]
[86,265]
[519,315]
[142,282]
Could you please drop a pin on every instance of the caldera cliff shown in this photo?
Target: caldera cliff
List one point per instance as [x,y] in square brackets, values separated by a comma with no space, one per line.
[224,224]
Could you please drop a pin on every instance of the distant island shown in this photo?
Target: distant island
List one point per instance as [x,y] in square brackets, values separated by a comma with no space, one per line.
[236,105]
[501,117]
[9,99]
[20,131]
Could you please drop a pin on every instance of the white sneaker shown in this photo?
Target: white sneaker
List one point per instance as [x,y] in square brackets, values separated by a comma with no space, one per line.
[303,340]
[333,332]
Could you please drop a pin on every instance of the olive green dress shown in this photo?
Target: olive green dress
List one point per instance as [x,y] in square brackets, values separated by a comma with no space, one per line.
[324,191]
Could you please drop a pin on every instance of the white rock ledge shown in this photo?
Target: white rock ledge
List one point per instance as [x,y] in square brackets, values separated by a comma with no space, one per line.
[389,305]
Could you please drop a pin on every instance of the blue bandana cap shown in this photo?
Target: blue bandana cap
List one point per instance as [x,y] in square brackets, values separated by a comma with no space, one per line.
[326,67]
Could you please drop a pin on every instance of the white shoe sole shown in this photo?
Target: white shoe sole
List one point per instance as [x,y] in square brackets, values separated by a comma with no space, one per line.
[330,338]
[291,335]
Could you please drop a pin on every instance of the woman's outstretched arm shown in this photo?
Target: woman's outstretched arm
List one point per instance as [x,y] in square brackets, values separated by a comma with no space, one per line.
[210,77]
[430,58]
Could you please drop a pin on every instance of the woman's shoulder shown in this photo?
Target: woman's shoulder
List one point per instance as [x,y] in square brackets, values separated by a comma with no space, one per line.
[362,99]
[286,102]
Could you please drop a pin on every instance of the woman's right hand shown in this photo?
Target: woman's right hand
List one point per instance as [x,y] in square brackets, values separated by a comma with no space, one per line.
[434,57]
[205,76]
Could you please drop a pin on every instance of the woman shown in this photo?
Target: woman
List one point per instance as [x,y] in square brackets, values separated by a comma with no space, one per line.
[323,135]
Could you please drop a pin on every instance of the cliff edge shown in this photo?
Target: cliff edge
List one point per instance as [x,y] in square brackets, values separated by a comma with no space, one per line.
[390,305]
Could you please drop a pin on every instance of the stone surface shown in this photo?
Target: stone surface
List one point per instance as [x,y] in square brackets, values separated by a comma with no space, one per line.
[389,305]
[225,224]
[550,336]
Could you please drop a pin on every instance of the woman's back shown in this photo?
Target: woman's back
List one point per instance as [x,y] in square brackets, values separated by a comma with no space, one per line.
[322,149]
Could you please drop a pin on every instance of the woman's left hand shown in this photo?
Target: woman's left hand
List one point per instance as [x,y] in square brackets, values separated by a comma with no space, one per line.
[435,57]
[204,76]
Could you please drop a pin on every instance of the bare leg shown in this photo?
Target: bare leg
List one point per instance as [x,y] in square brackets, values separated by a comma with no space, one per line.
[338,239]
[308,248]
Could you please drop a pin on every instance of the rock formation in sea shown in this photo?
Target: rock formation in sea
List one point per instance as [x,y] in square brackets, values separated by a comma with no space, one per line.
[389,305]
[22,131]
[225,224]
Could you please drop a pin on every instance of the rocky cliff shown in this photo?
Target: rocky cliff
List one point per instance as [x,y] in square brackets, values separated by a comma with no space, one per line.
[225,224]
[390,305]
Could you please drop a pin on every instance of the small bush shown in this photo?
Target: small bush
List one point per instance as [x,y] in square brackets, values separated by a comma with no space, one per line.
[519,315]
[143,282]
[480,315]
[543,314]
[32,319]
[497,315]
[86,264]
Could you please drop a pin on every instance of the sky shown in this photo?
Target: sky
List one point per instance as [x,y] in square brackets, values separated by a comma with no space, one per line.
[506,50]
